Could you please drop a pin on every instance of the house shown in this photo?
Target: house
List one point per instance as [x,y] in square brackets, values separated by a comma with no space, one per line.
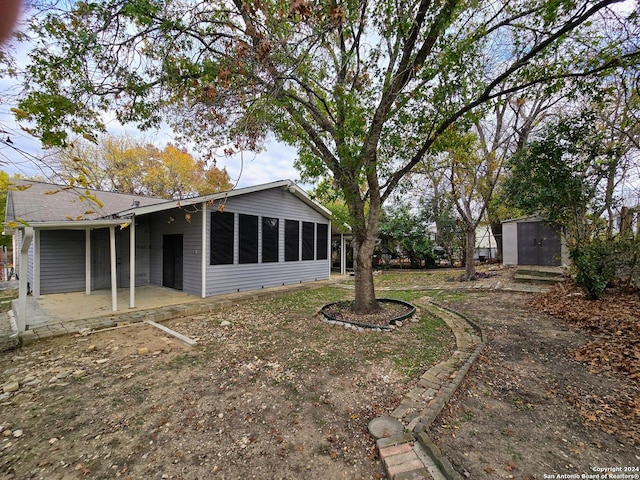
[73,239]
[531,241]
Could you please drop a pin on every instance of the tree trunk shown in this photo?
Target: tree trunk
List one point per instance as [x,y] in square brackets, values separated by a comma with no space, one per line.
[365,233]
[365,295]
[470,247]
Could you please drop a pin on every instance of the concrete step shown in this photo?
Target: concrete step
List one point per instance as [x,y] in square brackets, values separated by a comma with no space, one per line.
[540,270]
[538,279]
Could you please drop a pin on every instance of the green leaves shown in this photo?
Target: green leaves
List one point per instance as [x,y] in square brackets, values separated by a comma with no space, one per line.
[558,174]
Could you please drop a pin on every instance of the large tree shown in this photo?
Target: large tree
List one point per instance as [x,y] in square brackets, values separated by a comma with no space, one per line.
[363,89]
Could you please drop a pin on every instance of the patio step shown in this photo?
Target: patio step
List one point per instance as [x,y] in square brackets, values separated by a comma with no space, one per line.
[539,274]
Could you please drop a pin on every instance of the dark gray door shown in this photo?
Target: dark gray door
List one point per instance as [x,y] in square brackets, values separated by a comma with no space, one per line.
[172,259]
[101,259]
[538,244]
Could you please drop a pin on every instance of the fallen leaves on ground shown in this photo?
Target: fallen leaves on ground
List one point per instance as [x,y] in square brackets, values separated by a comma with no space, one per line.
[614,324]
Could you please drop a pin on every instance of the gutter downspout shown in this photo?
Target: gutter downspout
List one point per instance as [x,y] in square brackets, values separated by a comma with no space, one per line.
[24,271]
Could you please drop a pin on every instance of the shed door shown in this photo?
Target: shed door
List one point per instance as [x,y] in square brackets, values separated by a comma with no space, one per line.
[172,257]
[538,244]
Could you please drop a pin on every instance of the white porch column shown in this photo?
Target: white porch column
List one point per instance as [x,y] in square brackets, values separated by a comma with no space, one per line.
[343,255]
[21,321]
[203,256]
[87,261]
[132,263]
[35,288]
[114,276]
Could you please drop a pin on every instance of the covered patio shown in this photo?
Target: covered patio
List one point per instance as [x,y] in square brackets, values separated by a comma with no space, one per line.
[78,306]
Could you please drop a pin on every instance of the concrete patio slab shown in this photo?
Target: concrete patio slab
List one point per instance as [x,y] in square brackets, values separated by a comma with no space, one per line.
[73,306]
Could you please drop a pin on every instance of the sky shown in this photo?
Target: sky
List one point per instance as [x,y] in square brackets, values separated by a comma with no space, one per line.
[21,153]
[25,156]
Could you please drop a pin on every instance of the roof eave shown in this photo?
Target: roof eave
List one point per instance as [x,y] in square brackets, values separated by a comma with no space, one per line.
[286,184]
[75,224]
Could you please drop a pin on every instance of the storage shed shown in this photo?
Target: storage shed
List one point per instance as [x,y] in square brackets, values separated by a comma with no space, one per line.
[73,239]
[531,241]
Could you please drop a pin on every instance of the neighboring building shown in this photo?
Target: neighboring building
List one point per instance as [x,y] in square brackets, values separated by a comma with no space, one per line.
[486,245]
[244,239]
[530,241]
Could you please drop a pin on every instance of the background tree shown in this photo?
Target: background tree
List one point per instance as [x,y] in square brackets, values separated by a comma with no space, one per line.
[5,240]
[568,174]
[559,173]
[326,194]
[127,165]
[407,233]
[362,89]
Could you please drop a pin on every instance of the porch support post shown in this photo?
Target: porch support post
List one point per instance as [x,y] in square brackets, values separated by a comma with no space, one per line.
[114,276]
[21,321]
[35,288]
[203,257]
[329,248]
[343,255]
[87,261]
[132,262]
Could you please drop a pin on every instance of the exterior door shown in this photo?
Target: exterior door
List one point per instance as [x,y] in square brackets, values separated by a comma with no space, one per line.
[172,258]
[101,259]
[538,244]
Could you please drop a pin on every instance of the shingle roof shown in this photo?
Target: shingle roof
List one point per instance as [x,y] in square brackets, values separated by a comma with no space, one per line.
[43,202]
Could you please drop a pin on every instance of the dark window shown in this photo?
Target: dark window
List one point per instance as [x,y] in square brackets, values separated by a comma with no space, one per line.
[270,239]
[308,239]
[248,238]
[221,238]
[323,240]
[291,240]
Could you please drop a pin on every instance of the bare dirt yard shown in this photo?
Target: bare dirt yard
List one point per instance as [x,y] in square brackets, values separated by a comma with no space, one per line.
[270,391]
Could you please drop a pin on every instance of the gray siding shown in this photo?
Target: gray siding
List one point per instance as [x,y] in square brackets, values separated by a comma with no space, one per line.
[175,222]
[62,262]
[276,203]
[143,253]
[30,256]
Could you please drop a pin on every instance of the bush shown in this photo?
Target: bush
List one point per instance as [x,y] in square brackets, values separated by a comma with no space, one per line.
[598,263]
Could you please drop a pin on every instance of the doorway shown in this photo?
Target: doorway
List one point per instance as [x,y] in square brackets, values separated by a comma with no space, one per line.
[172,260]
[101,259]
[538,244]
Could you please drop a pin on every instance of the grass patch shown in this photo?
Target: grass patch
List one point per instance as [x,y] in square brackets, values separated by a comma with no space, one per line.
[287,329]
[429,347]
[410,278]
[449,296]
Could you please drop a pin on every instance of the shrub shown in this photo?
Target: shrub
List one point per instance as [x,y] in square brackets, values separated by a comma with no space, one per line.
[600,261]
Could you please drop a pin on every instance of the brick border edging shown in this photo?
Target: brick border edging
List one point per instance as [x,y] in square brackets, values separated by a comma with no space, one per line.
[400,462]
